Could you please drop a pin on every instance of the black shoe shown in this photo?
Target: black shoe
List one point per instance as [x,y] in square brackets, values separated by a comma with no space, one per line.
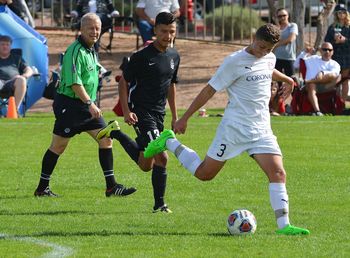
[46,193]
[119,190]
[162,209]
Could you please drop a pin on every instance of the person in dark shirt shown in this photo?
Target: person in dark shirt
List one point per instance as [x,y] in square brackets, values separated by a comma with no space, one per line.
[148,81]
[14,72]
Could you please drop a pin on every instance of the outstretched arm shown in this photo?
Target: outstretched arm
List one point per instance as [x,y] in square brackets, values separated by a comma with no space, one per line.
[202,98]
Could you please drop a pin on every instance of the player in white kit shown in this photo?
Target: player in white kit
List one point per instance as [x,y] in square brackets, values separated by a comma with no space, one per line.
[246,75]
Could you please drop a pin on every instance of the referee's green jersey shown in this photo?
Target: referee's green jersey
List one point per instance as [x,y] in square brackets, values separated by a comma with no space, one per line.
[80,66]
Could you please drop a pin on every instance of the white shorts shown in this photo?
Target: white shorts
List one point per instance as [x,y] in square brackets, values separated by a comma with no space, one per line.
[233,139]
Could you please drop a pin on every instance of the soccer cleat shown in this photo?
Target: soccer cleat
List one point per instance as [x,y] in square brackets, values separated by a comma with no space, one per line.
[46,193]
[106,132]
[318,113]
[158,145]
[163,209]
[292,230]
[119,190]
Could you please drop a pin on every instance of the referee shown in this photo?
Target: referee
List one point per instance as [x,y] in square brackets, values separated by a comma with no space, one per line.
[151,74]
[75,110]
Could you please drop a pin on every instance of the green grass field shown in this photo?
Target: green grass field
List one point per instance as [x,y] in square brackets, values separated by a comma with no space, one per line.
[84,223]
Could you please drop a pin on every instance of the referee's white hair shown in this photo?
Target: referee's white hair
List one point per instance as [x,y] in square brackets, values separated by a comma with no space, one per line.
[90,17]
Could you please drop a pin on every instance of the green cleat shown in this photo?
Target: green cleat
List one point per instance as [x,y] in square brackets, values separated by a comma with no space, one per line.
[158,145]
[105,132]
[292,230]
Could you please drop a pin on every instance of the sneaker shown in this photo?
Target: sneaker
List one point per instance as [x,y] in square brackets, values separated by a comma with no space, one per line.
[292,230]
[119,190]
[318,113]
[163,209]
[46,193]
[106,131]
[158,145]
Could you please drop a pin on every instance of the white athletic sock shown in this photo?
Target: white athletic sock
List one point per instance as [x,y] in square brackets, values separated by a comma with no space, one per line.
[279,203]
[172,144]
[188,158]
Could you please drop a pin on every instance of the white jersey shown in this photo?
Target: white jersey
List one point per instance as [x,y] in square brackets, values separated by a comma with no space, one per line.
[315,64]
[247,80]
[153,7]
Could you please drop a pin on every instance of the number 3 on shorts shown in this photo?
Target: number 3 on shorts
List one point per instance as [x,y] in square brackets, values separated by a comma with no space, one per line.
[222,150]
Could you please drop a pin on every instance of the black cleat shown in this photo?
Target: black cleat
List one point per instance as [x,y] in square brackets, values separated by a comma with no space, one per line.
[46,193]
[119,190]
[162,209]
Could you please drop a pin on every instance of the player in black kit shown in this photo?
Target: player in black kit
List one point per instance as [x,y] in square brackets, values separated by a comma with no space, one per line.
[148,80]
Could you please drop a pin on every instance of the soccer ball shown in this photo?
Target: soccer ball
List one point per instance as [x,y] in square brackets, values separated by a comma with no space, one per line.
[241,222]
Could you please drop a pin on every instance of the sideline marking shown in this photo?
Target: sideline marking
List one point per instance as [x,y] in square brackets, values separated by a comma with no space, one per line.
[58,250]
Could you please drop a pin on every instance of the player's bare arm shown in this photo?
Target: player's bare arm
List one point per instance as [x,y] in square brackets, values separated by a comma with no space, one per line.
[172,103]
[80,91]
[202,98]
[129,117]
[288,83]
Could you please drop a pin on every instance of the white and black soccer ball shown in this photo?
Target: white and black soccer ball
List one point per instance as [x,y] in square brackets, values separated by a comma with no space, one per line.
[241,222]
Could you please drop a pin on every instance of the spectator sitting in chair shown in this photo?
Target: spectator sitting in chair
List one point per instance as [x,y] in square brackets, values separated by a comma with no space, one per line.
[322,74]
[14,72]
[103,8]
[147,10]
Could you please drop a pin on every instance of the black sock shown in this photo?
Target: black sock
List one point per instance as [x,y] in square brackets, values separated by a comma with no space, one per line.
[128,144]
[106,161]
[159,177]
[47,166]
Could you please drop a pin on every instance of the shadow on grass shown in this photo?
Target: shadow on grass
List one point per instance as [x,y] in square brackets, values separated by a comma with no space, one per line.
[49,213]
[104,233]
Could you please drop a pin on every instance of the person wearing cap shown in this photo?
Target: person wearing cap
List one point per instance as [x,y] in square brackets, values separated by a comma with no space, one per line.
[338,34]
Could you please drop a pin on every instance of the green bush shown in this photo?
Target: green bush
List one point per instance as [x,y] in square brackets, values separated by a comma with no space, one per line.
[231,17]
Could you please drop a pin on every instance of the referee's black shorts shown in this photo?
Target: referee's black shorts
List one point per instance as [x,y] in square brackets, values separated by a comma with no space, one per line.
[73,117]
[149,126]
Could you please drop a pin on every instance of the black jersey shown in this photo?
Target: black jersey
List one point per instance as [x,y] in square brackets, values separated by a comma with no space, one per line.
[151,72]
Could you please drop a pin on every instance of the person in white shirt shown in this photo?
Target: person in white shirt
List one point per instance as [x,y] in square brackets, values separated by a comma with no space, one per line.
[147,10]
[322,73]
[246,75]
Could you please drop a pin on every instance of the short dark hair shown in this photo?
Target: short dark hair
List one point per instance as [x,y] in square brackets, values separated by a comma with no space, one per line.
[5,38]
[269,33]
[281,9]
[165,18]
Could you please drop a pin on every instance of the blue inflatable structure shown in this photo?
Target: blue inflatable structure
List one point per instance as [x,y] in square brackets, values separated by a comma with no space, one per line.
[34,51]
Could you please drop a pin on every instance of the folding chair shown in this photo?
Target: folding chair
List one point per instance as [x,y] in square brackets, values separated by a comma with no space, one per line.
[329,102]
[4,99]
[3,106]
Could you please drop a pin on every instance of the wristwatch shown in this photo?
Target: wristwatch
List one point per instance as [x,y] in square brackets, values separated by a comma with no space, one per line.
[88,102]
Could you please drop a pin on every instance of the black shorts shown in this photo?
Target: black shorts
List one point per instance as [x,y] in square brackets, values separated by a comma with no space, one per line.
[285,66]
[148,127]
[73,117]
[8,89]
